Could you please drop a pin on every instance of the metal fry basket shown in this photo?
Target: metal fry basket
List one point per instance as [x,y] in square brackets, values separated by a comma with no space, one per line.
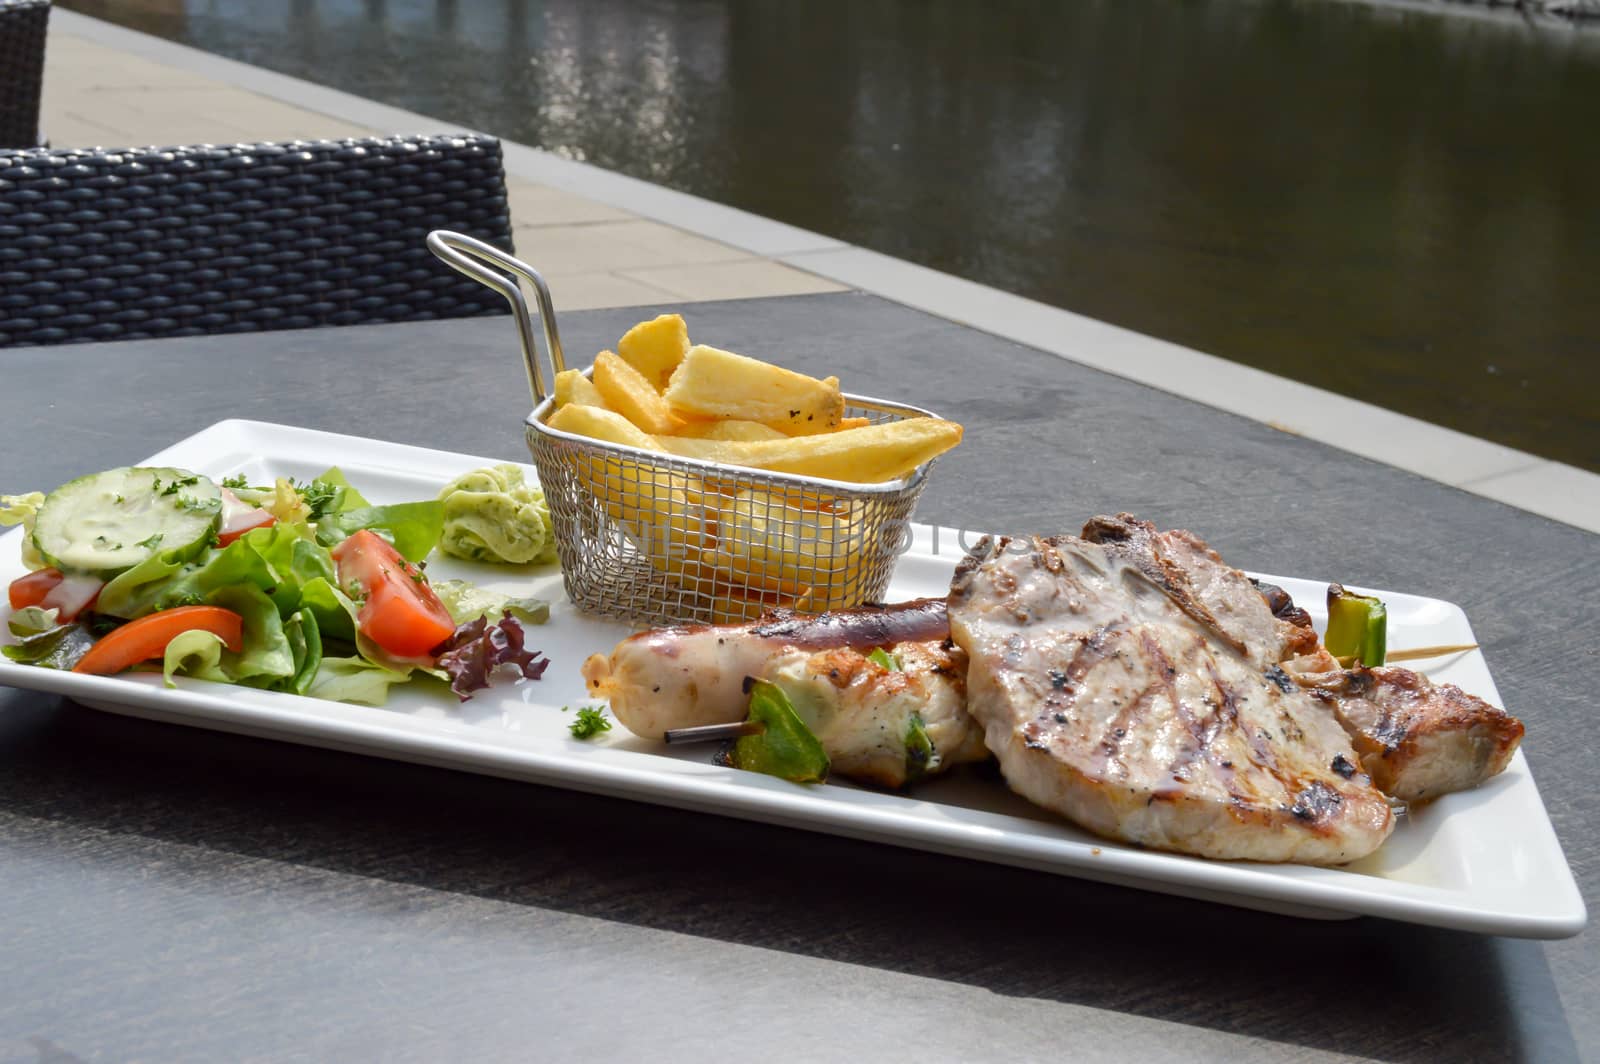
[654,538]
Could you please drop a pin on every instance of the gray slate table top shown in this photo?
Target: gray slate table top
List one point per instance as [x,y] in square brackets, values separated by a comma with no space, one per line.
[174,894]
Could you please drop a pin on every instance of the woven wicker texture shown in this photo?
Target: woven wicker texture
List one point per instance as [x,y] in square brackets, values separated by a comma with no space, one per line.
[103,245]
[22,30]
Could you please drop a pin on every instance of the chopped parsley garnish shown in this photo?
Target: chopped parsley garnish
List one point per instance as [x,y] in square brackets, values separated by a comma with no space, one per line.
[181,482]
[153,542]
[235,482]
[320,496]
[591,721]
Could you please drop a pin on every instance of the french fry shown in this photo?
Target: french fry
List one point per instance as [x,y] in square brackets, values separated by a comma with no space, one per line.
[663,514]
[847,423]
[868,455]
[655,348]
[775,546]
[711,383]
[626,391]
[729,429]
[573,387]
[600,423]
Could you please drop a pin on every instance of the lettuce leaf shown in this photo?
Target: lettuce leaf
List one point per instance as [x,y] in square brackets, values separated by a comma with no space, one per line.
[265,656]
[305,642]
[334,611]
[413,527]
[198,654]
[355,680]
[41,641]
[346,497]
[275,559]
[32,620]
[203,655]
[20,510]
[467,602]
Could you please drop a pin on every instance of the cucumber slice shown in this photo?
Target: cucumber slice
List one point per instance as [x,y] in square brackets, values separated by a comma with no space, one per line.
[107,522]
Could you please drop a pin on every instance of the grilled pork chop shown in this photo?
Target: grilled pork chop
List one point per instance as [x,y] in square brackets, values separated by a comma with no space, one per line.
[1133,712]
[1417,739]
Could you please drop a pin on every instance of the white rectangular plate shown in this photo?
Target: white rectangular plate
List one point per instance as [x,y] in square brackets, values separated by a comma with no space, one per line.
[1485,861]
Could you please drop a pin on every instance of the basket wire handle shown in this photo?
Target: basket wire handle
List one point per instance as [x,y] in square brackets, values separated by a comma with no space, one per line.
[467,255]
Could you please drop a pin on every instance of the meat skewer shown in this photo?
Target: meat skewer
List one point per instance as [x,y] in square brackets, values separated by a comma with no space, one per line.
[689,675]
[884,726]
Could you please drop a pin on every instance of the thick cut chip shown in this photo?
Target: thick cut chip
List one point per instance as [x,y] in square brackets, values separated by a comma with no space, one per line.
[655,348]
[628,393]
[602,424]
[573,387]
[865,456]
[730,429]
[714,383]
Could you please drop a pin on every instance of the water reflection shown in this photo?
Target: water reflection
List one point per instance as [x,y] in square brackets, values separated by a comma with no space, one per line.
[1394,205]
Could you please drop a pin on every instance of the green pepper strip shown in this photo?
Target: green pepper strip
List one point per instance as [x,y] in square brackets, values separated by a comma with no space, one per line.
[1357,627]
[785,747]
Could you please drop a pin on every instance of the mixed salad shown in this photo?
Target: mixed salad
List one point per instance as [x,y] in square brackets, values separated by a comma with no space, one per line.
[305,588]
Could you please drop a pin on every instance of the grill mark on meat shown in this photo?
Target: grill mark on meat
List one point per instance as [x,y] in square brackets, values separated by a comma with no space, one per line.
[1390,732]
[1127,716]
[1316,801]
[1224,712]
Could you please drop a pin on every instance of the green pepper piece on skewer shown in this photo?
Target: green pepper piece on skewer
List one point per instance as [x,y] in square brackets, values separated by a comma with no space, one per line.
[1357,627]
[920,755]
[784,747]
[880,656]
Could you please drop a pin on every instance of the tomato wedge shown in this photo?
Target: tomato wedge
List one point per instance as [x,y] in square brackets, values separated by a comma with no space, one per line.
[31,588]
[401,613]
[146,638]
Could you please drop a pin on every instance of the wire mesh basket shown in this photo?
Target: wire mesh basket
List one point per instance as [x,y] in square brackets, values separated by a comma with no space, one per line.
[654,538]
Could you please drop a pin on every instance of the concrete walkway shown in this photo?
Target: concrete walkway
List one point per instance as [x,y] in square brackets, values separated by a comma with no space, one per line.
[603,239]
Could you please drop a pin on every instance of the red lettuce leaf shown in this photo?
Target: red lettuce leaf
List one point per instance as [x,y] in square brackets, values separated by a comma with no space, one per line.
[478,648]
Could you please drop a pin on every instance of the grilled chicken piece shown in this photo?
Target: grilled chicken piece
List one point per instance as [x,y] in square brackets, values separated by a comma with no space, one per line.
[691,675]
[861,712]
[1128,708]
[1417,739]
[866,716]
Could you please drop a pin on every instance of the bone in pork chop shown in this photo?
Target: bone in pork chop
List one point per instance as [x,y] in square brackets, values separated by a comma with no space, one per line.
[1133,712]
[1417,739]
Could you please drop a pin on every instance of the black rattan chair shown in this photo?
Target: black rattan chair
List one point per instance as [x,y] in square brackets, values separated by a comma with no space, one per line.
[22,30]
[112,245]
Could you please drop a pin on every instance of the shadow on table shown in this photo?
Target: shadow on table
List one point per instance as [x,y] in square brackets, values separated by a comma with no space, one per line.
[1367,987]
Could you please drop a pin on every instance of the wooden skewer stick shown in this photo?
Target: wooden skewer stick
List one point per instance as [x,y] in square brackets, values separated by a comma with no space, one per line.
[1417,653]
[707,733]
[1413,654]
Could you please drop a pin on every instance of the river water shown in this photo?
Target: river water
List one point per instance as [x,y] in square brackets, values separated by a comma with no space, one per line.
[1394,204]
